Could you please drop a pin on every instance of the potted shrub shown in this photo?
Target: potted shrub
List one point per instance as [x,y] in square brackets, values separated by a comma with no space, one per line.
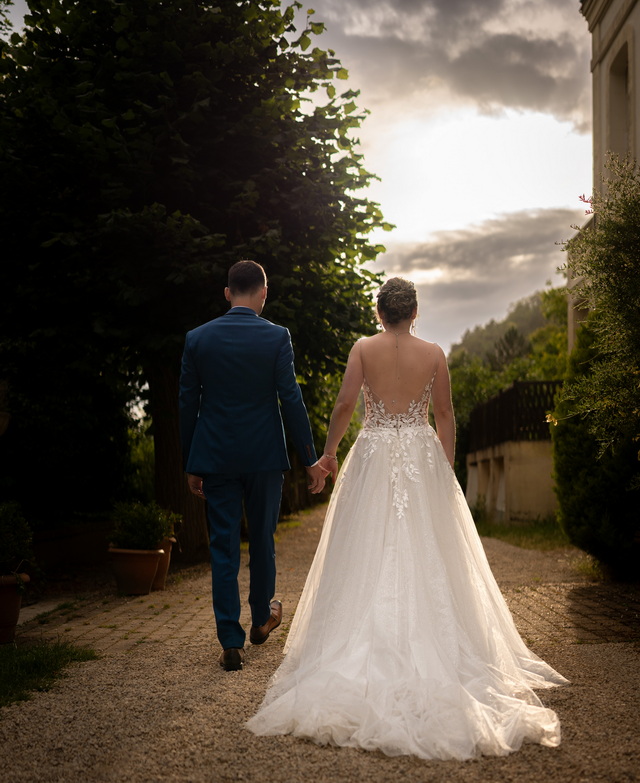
[135,549]
[15,551]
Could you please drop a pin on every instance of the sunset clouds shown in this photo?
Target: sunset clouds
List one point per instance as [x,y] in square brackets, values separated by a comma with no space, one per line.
[469,276]
[494,54]
[479,129]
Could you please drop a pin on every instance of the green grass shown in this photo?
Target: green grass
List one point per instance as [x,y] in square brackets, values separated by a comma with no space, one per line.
[588,566]
[289,524]
[64,609]
[541,534]
[35,666]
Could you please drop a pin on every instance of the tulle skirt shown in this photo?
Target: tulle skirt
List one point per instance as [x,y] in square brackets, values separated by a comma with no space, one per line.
[402,641]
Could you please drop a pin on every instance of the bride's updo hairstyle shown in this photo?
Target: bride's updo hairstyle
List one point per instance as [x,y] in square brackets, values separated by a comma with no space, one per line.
[397,300]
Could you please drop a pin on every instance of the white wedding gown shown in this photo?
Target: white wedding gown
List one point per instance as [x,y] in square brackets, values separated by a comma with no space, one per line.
[402,641]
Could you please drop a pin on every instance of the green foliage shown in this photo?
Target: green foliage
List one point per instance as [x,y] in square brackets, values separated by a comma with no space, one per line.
[5,24]
[526,316]
[15,538]
[141,525]
[148,145]
[596,440]
[35,667]
[604,259]
[534,332]
[141,479]
[553,305]
[599,510]
[549,341]
[178,142]
[491,358]
[472,382]
[511,346]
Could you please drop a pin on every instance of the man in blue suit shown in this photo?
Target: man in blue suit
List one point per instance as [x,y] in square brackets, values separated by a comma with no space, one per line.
[237,377]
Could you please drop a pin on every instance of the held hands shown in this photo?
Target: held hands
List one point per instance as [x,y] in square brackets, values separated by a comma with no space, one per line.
[195,485]
[317,475]
[330,463]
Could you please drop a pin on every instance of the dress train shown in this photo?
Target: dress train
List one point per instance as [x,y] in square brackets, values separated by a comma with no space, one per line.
[402,641]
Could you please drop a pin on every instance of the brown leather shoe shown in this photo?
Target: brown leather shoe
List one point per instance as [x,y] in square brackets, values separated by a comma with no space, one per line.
[232,660]
[260,633]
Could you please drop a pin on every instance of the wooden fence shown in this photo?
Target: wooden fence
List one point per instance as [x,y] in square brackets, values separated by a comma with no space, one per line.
[518,413]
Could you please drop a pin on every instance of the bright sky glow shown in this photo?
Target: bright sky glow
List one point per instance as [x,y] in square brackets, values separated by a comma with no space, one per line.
[463,168]
[479,132]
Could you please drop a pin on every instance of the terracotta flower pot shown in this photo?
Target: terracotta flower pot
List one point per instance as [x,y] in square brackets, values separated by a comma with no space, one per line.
[163,564]
[10,603]
[135,569]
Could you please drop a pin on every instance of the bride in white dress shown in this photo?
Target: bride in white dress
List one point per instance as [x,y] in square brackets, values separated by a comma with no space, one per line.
[402,641]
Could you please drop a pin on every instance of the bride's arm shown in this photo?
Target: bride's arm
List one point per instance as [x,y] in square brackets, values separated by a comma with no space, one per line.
[343,409]
[443,409]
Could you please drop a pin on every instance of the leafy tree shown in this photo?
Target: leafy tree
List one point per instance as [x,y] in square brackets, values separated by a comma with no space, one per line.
[598,418]
[599,509]
[604,257]
[549,342]
[472,382]
[507,349]
[525,315]
[148,145]
[536,354]
[5,24]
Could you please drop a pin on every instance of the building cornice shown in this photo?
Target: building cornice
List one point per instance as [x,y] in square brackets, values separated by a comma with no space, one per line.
[594,11]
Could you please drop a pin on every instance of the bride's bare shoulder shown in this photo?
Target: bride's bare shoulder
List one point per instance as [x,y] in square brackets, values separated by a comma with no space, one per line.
[356,348]
[430,346]
[372,339]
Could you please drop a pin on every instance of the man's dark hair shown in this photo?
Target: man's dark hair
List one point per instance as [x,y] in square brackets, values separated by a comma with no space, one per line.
[246,277]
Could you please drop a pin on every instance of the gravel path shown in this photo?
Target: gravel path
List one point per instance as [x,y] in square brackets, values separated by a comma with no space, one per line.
[157,707]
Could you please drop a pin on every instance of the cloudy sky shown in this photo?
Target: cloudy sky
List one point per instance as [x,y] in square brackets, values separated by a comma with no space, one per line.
[480,130]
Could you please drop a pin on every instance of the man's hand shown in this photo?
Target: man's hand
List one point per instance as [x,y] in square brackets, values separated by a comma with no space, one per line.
[195,485]
[329,463]
[317,475]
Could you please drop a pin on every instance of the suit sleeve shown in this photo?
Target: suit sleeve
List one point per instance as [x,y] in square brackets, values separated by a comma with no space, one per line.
[292,404]
[189,401]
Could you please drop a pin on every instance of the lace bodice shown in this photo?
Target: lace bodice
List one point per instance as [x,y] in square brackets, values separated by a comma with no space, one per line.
[378,415]
[404,434]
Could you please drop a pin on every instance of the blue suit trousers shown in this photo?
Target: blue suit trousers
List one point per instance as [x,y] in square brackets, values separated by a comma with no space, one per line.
[260,494]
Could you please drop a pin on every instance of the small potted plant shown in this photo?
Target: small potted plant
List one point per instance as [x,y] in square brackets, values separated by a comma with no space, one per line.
[15,552]
[135,549]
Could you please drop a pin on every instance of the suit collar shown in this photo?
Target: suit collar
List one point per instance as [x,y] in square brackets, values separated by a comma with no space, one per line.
[241,311]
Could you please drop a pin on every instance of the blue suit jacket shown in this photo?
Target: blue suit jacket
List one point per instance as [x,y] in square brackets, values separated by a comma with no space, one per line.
[237,376]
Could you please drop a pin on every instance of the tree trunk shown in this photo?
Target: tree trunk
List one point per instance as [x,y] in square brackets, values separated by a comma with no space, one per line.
[170,483]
